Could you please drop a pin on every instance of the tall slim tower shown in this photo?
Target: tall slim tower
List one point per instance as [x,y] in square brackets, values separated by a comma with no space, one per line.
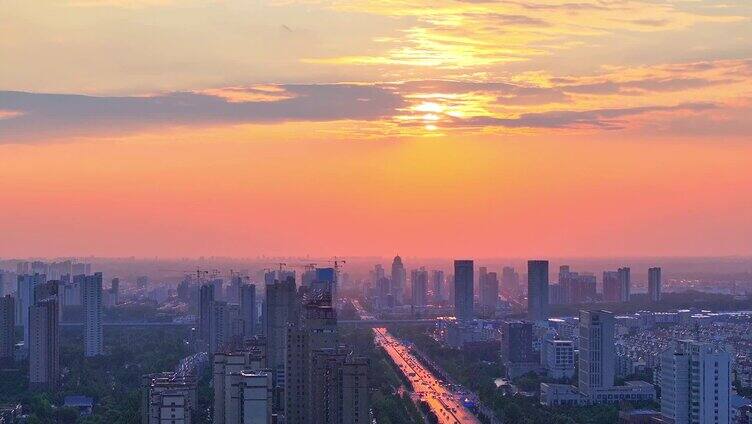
[205,299]
[398,280]
[279,309]
[248,309]
[537,290]
[463,289]
[597,357]
[92,302]
[25,299]
[439,292]
[654,284]
[44,337]
[419,287]
[625,284]
[7,329]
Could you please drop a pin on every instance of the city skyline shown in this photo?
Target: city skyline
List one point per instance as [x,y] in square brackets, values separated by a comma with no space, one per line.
[529,129]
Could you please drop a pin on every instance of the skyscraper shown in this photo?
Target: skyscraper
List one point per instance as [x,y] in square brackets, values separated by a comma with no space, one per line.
[625,284]
[279,309]
[597,357]
[248,309]
[317,330]
[510,282]
[92,302]
[654,284]
[419,279]
[398,280]
[489,292]
[25,299]
[205,299]
[44,337]
[617,285]
[537,290]
[219,326]
[695,383]
[439,291]
[7,329]
[463,289]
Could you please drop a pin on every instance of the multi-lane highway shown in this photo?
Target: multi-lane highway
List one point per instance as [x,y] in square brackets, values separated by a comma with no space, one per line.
[445,404]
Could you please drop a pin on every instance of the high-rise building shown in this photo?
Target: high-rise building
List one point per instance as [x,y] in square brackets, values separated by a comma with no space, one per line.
[617,285]
[25,299]
[537,290]
[339,387]
[316,330]
[654,284]
[92,302]
[8,282]
[205,299]
[489,292]
[478,287]
[695,383]
[7,329]
[559,358]
[168,398]
[439,292]
[44,337]
[248,399]
[510,282]
[248,309]
[220,329]
[279,309]
[517,341]
[419,279]
[463,289]
[399,276]
[597,356]
[227,368]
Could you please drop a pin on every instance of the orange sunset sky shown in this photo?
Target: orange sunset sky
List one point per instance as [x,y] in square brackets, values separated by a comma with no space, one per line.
[472,128]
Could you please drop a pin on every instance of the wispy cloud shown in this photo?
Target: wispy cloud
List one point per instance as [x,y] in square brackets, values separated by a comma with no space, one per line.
[48,116]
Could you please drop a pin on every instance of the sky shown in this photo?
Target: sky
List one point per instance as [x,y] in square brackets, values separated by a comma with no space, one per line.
[444,128]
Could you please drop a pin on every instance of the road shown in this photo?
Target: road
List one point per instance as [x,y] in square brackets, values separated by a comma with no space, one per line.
[443,402]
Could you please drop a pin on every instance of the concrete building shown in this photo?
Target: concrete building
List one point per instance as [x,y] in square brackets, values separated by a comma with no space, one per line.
[220,329]
[248,397]
[250,358]
[654,284]
[596,362]
[437,284]
[317,330]
[419,280]
[339,387]
[559,356]
[7,329]
[463,289]
[489,292]
[247,295]
[517,353]
[168,398]
[91,292]
[279,310]
[205,299]
[399,275]
[44,338]
[25,299]
[695,383]
[537,290]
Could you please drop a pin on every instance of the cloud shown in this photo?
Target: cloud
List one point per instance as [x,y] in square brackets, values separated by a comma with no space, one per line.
[35,116]
[606,119]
